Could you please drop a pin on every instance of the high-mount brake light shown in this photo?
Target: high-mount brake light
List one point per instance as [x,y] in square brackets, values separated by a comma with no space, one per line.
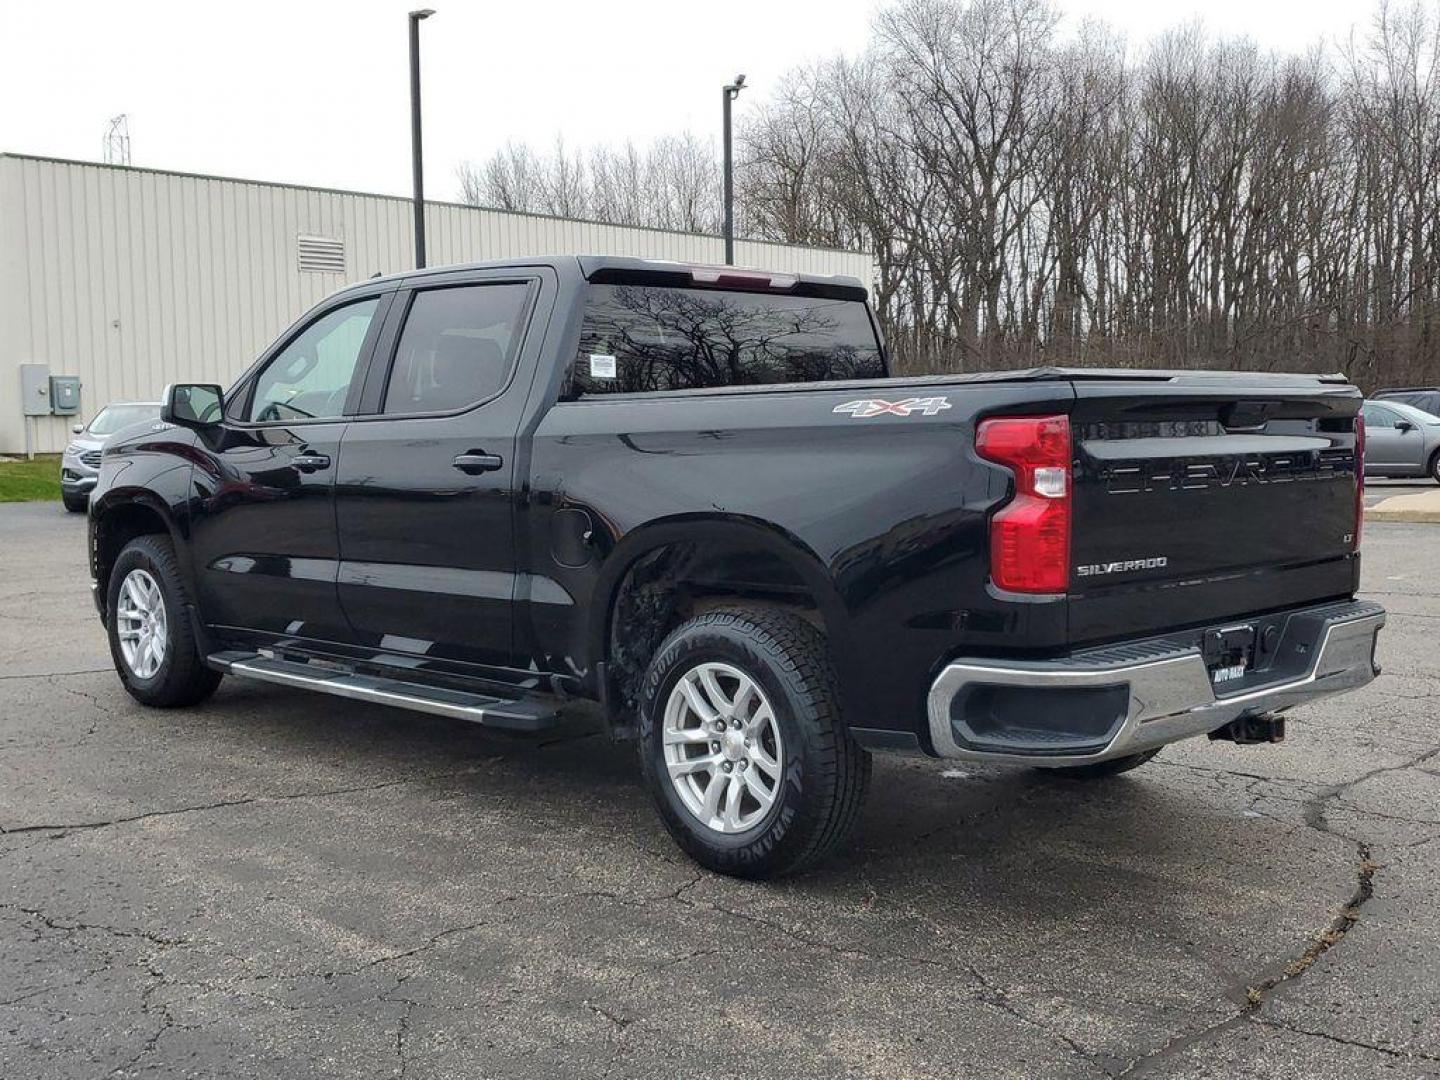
[741,279]
[1359,477]
[1030,535]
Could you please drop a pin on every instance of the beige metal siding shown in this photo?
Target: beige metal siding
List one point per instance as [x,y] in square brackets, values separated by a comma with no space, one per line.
[133,279]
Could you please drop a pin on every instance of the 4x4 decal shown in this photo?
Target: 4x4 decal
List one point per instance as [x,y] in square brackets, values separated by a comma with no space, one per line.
[863,410]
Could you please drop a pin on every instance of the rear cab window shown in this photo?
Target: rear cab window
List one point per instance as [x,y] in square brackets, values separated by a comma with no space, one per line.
[638,339]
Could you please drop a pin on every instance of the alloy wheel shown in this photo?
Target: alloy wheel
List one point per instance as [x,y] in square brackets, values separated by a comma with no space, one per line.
[141,623]
[723,750]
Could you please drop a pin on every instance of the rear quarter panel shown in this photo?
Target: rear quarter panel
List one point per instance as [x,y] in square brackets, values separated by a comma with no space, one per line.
[889,513]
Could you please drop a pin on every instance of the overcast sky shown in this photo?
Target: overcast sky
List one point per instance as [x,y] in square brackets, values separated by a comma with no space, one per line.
[316,92]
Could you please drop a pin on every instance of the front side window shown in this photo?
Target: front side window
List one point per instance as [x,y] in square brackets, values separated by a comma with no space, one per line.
[1378,418]
[456,347]
[310,379]
[645,338]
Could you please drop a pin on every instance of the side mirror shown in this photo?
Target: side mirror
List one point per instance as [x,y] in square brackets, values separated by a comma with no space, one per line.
[193,405]
[1404,425]
[78,429]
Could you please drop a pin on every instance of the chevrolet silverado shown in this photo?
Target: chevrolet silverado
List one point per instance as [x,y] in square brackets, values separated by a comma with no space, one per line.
[694,498]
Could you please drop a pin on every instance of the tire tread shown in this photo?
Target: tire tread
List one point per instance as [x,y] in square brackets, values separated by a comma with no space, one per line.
[188,680]
[839,767]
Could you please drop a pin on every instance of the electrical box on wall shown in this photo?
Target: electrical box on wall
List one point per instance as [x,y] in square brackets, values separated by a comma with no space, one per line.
[35,389]
[64,394]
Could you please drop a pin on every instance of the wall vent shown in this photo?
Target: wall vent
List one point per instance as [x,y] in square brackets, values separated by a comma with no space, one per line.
[321,254]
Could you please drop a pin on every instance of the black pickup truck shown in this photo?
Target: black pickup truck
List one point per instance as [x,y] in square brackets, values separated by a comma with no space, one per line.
[694,497]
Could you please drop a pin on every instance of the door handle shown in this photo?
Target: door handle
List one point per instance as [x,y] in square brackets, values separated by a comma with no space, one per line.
[475,463]
[310,462]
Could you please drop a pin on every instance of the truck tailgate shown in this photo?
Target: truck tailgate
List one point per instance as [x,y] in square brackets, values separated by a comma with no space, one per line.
[1204,497]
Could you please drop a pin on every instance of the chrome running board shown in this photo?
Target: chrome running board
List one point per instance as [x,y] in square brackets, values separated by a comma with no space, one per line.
[496,712]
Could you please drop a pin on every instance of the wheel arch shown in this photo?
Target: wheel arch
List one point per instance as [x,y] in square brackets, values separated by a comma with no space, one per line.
[671,568]
[116,519]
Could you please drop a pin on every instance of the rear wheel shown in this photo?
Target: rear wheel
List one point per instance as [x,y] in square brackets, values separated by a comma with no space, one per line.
[742,743]
[1098,769]
[152,640]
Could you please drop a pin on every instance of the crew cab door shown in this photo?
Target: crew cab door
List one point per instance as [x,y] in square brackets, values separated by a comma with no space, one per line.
[425,490]
[262,520]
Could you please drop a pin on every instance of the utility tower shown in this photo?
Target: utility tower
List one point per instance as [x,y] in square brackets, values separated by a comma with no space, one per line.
[117,140]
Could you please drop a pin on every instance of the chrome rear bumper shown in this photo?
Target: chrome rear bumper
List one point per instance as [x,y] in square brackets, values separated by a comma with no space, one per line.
[1166,698]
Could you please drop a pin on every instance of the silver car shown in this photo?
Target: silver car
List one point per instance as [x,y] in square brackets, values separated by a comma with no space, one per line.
[80,464]
[1401,440]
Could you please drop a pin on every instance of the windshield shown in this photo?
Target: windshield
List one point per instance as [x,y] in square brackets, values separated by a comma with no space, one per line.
[114,417]
[1411,413]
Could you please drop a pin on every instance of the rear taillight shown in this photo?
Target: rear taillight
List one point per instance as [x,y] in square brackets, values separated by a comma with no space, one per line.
[1030,535]
[1359,477]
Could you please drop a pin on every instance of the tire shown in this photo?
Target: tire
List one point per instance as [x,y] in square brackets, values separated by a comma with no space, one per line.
[180,677]
[1435,466]
[803,753]
[76,504]
[1113,767]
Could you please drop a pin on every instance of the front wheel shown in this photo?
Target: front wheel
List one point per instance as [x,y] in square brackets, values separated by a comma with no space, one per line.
[151,638]
[746,755]
[1435,466]
[77,503]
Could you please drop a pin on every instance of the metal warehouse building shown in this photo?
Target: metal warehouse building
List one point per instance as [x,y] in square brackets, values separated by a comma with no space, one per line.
[134,278]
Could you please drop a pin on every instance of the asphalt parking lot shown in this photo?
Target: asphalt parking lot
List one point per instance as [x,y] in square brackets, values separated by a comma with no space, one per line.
[284,885]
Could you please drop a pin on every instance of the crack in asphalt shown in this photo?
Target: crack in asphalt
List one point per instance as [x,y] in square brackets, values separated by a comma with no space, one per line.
[160,981]
[1316,810]
[618,1022]
[990,994]
[1412,1055]
[402,1026]
[1257,993]
[61,830]
[431,942]
[53,674]
[1211,771]
[71,927]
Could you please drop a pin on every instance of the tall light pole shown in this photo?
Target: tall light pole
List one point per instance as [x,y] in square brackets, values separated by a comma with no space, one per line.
[416,163]
[730,94]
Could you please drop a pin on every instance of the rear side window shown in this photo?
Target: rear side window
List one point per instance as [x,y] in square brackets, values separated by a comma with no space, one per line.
[456,347]
[646,338]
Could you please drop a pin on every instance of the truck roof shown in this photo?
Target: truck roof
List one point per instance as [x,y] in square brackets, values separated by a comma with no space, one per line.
[623,268]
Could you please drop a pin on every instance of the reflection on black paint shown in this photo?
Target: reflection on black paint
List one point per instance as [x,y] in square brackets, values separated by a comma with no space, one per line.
[684,339]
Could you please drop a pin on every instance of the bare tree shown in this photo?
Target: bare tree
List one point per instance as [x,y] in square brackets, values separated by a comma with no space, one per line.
[1032,198]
